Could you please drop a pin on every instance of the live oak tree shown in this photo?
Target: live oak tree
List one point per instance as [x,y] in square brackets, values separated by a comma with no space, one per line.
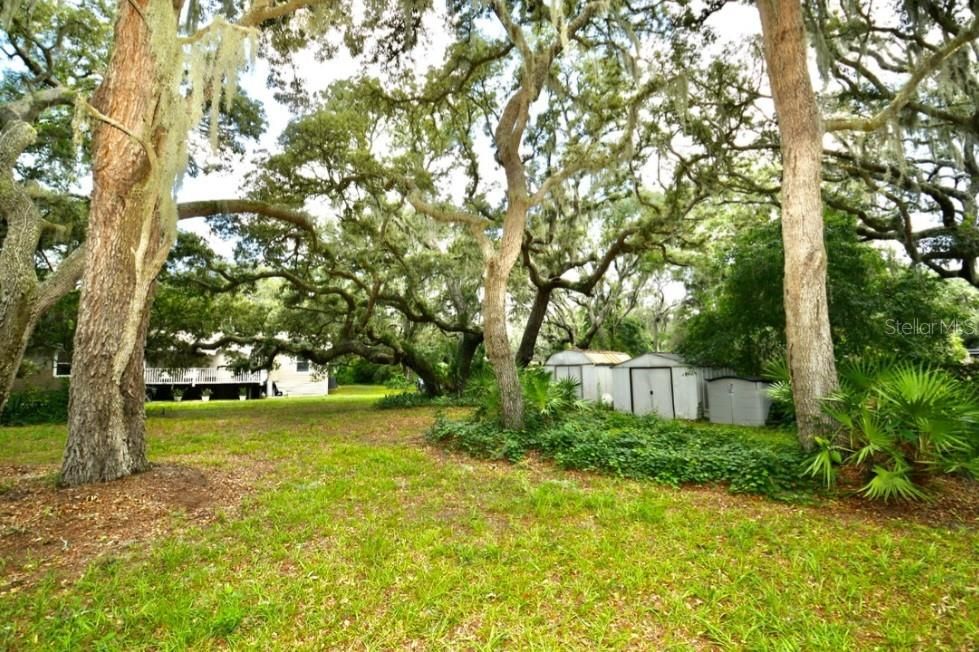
[452,98]
[142,120]
[436,133]
[537,52]
[43,47]
[156,86]
[801,128]
[432,277]
[588,260]
[24,296]
[56,53]
[915,177]
[60,55]
[696,141]
[153,92]
[409,285]
[598,239]
[428,137]
[387,286]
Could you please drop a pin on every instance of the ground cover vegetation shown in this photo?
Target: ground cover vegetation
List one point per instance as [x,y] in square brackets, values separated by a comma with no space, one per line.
[326,523]
[553,168]
[489,183]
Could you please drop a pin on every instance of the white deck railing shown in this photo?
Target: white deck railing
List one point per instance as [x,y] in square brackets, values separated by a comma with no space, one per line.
[200,376]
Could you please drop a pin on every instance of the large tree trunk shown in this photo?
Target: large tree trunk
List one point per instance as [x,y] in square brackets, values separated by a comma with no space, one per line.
[17,323]
[807,329]
[115,445]
[495,330]
[468,345]
[18,280]
[23,300]
[16,327]
[126,247]
[535,320]
[429,376]
[498,265]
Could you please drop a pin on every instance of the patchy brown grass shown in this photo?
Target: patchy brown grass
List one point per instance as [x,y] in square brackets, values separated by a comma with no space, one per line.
[346,531]
[44,528]
[953,502]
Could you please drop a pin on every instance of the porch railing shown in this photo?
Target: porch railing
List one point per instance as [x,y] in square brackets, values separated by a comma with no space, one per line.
[200,376]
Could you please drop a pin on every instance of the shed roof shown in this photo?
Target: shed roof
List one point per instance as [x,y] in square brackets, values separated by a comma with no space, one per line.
[657,359]
[580,357]
[750,379]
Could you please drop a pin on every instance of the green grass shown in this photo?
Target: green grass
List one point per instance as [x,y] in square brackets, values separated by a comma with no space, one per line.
[362,537]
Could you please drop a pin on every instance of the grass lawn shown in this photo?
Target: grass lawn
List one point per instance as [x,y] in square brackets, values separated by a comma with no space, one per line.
[357,535]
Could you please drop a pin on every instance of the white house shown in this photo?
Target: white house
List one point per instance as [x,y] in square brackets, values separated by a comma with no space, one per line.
[591,369]
[297,376]
[290,376]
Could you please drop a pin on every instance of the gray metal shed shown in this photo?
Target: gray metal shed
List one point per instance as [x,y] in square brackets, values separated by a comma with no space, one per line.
[664,384]
[659,383]
[738,400]
[591,369]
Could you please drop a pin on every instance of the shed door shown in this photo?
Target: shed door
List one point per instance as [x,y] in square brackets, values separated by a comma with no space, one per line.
[574,373]
[747,404]
[652,392]
[725,406]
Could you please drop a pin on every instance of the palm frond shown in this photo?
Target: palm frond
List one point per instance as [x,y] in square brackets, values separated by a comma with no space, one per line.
[892,483]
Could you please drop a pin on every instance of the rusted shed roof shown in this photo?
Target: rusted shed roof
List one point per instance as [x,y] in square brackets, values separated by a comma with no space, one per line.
[580,357]
[606,357]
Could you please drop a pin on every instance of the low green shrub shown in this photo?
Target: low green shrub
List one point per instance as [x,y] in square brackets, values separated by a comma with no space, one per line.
[478,438]
[671,452]
[780,391]
[36,406]
[399,380]
[417,399]
[545,401]
[585,436]
[900,422]
[403,400]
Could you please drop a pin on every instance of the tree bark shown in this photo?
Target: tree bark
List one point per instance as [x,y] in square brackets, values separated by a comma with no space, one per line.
[417,363]
[498,260]
[18,280]
[807,329]
[16,327]
[495,335]
[23,298]
[499,263]
[535,320]
[125,248]
[19,318]
[468,345]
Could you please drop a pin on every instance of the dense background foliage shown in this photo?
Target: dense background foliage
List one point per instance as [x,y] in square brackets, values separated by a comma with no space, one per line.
[736,317]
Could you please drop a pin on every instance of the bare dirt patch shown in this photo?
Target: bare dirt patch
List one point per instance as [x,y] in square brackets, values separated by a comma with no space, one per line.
[952,501]
[44,528]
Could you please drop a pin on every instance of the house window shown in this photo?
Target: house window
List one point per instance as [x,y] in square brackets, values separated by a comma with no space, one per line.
[302,365]
[62,368]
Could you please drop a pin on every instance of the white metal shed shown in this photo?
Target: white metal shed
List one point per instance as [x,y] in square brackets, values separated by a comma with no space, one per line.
[738,400]
[659,383]
[591,369]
